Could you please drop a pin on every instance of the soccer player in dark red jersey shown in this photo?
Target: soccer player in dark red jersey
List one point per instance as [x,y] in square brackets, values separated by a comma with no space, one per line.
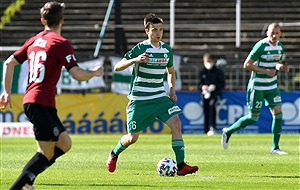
[47,53]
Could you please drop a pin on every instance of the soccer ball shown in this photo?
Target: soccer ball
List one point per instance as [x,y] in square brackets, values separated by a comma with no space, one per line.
[167,167]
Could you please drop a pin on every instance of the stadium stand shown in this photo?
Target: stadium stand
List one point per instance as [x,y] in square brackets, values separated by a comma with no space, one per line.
[200,26]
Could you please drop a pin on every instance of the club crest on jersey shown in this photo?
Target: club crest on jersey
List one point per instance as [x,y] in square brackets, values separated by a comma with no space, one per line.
[55,131]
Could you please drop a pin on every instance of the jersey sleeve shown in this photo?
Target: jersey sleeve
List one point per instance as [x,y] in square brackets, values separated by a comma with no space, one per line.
[170,63]
[256,51]
[66,55]
[134,52]
[21,54]
[282,52]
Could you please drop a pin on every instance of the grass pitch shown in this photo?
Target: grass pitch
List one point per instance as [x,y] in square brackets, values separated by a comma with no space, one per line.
[246,164]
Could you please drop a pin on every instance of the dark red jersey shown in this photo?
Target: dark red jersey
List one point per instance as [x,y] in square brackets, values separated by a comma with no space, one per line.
[46,53]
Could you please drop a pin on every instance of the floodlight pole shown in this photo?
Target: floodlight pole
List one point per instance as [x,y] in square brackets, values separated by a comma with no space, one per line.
[103,28]
[238,23]
[172,23]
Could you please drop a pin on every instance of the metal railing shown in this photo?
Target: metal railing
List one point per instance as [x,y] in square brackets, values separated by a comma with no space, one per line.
[237,78]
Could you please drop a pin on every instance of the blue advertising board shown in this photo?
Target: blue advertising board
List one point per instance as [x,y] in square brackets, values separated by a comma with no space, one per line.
[232,106]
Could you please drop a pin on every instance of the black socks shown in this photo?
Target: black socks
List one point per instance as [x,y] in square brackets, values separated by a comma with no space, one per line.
[35,166]
[57,153]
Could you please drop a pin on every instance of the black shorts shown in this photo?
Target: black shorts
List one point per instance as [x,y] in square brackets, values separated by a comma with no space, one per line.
[46,124]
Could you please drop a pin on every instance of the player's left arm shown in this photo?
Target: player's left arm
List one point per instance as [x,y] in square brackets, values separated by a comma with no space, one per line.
[282,66]
[172,83]
[82,75]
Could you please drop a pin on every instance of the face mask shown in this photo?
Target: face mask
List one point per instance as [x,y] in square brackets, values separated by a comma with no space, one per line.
[208,65]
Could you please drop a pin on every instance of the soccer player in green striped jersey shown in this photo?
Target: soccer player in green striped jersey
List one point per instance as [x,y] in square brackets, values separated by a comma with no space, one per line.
[265,60]
[148,99]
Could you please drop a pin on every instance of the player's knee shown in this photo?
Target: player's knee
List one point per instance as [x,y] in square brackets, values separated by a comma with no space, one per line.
[47,153]
[133,139]
[64,143]
[174,123]
[68,147]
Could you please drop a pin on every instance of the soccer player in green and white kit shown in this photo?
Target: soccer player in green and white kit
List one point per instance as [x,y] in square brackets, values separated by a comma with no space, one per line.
[265,59]
[148,99]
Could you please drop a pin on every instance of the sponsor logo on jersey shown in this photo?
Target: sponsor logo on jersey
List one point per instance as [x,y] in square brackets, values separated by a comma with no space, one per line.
[159,60]
[70,57]
[271,57]
[276,57]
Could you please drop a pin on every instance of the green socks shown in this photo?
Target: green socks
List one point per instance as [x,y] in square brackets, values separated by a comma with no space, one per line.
[119,148]
[177,145]
[276,130]
[241,123]
[178,148]
[248,120]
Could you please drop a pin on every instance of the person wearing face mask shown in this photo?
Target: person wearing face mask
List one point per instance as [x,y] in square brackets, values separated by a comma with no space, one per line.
[212,82]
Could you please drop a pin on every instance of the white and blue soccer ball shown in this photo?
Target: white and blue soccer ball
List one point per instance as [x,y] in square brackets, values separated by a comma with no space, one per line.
[167,167]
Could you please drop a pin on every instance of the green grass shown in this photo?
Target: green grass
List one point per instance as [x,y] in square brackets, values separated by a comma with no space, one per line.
[247,163]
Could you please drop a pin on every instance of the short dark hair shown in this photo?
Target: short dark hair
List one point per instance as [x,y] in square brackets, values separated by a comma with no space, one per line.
[151,18]
[52,12]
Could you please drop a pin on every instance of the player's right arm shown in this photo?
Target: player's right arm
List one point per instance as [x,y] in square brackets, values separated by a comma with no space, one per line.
[249,65]
[125,63]
[8,71]
[254,55]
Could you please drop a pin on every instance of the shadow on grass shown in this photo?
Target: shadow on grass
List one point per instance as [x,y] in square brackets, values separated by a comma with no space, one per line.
[96,185]
[272,176]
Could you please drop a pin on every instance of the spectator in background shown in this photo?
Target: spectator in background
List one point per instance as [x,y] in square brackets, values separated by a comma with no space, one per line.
[47,53]
[264,60]
[212,82]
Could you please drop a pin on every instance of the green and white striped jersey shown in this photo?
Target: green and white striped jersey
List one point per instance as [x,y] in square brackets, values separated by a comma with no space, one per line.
[266,56]
[147,80]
